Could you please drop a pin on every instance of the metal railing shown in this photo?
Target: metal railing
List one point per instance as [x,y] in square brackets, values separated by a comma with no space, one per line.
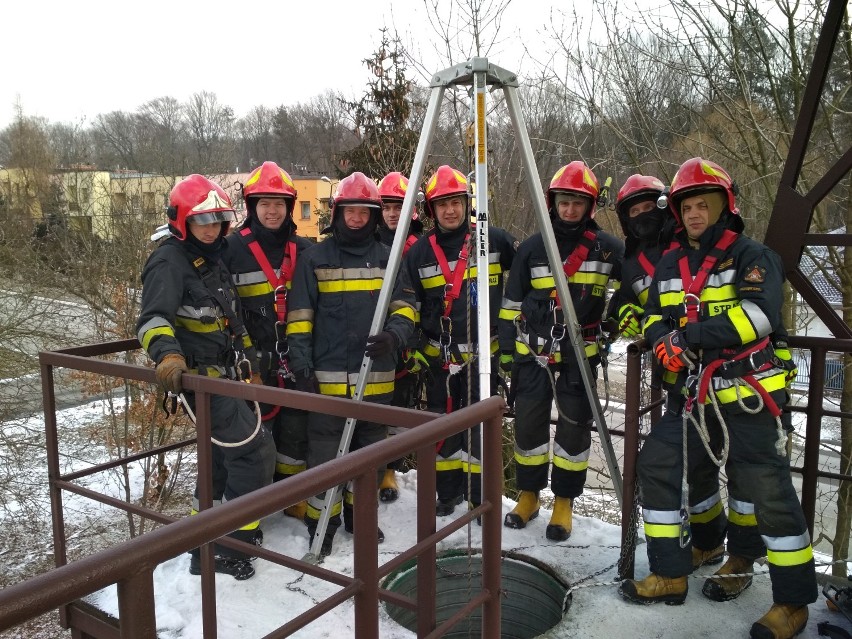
[130,565]
[810,469]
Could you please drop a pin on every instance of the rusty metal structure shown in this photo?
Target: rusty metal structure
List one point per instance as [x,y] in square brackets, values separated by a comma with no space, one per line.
[130,565]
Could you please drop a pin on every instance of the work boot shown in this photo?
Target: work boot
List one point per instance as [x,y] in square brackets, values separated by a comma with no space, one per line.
[349,523]
[781,622]
[524,511]
[707,557]
[297,511]
[729,588]
[239,569]
[446,507]
[655,589]
[327,541]
[388,489]
[559,528]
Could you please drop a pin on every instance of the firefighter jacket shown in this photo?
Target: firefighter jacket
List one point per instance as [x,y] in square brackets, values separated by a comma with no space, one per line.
[530,307]
[257,293]
[181,314]
[430,286]
[740,305]
[335,291]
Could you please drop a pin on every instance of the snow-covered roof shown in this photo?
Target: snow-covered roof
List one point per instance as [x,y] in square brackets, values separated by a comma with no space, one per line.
[823,277]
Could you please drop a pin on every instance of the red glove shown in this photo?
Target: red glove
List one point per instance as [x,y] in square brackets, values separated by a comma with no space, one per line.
[673,352]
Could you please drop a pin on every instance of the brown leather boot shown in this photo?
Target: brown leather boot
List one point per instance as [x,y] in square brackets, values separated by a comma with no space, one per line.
[525,511]
[707,557]
[388,489]
[559,528]
[655,589]
[729,588]
[781,622]
[297,511]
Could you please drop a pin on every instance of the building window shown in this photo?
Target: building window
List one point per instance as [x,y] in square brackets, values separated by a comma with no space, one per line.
[306,210]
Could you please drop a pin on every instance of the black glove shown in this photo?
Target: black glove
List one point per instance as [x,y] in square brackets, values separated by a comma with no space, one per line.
[306,381]
[381,344]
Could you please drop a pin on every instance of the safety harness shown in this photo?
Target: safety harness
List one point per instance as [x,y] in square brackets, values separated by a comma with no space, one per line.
[279,286]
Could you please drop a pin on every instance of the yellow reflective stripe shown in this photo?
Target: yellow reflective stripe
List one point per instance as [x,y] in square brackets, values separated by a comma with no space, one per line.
[405,311]
[508,314]
[532,460]
[342,390]
[155,332]
[339,286]
[314,513]
[295,328]
[251,526]
[566,464]
[433,282]
[671,299]
[581,277]
[648,320]
[739,519]
[790,557]
[725,293]
[772,383]
[253,290]
[197,326]
[289,469]
[448,464]
[543,282]
[743,324]
[668,531]
[643,297]
[246,341]
[707,515]
[430,350]
[474,468]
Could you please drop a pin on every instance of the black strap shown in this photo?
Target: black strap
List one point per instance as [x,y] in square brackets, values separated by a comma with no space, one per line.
[224,298]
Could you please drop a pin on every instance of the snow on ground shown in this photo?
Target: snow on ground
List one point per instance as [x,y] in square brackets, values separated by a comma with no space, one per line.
[254,608]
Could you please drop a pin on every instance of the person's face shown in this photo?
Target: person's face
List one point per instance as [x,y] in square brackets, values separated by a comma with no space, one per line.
[641,207]
[572,208]
[390,213]
[450,212]
[356,217]
[696,216]
[271,212]
[205,233]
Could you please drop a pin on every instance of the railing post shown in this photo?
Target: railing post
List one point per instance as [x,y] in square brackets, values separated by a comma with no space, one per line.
[492,489]
[810,464]
[427,560]
[629,513]
[204,486]
[136,612]
[366,569]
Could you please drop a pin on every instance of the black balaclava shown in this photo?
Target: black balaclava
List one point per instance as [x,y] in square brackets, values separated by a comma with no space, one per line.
[267,237]
[211,250]
[355,237]
[647,226]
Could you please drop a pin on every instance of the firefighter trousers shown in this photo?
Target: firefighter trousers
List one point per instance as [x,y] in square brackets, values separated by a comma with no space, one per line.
[765,516]
[573,437]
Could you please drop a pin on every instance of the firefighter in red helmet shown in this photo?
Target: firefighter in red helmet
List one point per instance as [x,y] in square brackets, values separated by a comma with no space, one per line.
[535,342]
[262,256]
[713,310]
[335,292]
[392,190]
[441,269]
[191,322]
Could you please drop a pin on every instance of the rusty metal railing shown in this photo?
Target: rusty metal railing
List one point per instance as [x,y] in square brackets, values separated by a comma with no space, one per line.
[810,470]
[130,565]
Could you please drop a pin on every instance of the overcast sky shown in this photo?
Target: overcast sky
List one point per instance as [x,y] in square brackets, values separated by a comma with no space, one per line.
[72,60]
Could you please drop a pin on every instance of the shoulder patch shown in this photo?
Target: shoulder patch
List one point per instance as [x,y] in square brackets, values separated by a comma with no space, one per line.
[725,264]
[755,274]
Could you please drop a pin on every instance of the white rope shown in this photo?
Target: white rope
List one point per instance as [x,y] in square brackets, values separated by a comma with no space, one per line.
[185,404]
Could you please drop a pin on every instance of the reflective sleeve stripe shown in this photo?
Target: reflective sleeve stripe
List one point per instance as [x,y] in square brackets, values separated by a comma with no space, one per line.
[302,314]
[297,328]
[511,304]
[154,322]
[508,314]
[648,320]
[345,286]
[149,335]
[448,464]
[742,324]
[403,310]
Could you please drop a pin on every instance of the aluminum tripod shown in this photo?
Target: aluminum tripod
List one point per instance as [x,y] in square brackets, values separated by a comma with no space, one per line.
[481,75]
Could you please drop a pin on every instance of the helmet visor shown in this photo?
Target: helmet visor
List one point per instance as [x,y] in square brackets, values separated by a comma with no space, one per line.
[211,217]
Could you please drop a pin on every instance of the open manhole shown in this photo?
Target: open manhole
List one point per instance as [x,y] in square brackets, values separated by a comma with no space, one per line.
[534,597]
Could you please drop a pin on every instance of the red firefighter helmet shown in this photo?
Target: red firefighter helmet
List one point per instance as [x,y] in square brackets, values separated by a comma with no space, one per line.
[637,187]
[195,199]
[575,178]
[356,190]
[393,186]
[270,180]
[697,176]
[445,182]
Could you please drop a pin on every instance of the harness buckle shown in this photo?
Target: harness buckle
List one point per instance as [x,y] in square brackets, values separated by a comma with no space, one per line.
[691,304]
[243,367]
[685,532]
[558,332]
[542,360]
[454,368]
